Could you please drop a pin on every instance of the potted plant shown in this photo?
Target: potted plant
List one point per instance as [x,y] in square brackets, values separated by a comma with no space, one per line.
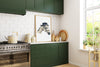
[84,44]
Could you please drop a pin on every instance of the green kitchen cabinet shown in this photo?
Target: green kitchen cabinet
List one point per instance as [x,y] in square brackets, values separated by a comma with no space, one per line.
[59,7]
[35,5]
[63,53]
[30,5]
[45,6]
[13,6]
[39,5]
[49,54]
[49,6]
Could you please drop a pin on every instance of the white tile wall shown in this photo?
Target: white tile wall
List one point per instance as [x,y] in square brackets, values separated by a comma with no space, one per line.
[23,24]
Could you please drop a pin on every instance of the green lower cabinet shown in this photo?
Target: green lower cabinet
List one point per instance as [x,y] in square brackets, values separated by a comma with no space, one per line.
[48,55]
[13,6]
[63,53]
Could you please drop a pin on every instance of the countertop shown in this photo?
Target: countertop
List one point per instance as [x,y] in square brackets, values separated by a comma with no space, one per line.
[48,42]
[25,51]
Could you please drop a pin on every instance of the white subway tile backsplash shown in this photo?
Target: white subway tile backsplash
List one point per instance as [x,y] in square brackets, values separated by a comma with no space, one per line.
[23,24]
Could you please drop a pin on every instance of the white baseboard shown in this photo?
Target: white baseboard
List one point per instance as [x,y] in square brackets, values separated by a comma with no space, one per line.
[80,65]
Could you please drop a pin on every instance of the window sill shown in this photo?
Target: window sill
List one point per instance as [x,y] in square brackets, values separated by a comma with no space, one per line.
[85,50]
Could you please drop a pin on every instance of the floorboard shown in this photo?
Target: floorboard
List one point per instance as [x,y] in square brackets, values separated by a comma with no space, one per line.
[67,65]
[28,65]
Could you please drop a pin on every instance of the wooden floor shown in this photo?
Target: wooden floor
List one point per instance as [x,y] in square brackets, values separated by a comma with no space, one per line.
[27,65]
[17,65]
[67,65]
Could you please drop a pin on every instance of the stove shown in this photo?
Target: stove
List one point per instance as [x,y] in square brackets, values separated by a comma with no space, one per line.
[14,53]
[20,46]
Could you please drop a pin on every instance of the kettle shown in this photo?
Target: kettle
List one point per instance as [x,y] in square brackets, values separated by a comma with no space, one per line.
[12,38]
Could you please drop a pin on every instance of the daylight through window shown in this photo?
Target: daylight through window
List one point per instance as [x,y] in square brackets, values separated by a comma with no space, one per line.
[92,15]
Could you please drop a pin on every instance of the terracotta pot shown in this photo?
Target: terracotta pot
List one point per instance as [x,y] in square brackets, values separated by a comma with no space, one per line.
[84,47]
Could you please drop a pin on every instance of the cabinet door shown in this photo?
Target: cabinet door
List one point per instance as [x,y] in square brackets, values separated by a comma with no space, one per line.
[59,4]
[49,6]
[12,6]
[63,53]
[30,5]
[39,5]
[37,55]
[35,5]
[52,54]
[44,55]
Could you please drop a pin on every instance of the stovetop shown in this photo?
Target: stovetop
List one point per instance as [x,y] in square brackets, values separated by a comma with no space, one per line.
[6,43]
[20,46]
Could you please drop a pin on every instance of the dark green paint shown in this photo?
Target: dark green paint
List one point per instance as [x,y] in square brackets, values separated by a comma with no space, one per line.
[59,6]
[30,4]
[12,6]
[39,5]
[20,6]
[48,55]
[45,6]
[49,6]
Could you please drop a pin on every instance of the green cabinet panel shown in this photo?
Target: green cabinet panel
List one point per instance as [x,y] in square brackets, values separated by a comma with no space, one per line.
[63,53]
[49,6]
[12,6]
[48,55]
[59,7]
[30,4]
[39,5]
[45,6]
[43,55]
[35,5]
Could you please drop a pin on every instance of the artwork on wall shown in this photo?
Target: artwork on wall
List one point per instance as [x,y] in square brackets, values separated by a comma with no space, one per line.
[43,28]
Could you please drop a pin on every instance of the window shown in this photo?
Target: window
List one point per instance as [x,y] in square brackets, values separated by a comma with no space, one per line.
[92,23]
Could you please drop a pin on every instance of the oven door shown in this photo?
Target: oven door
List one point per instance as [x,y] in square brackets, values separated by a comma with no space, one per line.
[15,60]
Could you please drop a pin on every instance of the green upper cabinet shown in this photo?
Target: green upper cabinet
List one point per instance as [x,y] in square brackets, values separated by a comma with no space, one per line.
[35,5]
[59,7]
[20,6]
[45,6]
[39,5]
[13,6]
[49,6]
[30,4]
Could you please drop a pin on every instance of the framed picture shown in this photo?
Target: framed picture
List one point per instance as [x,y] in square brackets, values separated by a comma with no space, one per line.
[43,28]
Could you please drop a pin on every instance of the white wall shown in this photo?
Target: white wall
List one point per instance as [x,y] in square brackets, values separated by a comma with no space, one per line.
[70,21]
[23,24]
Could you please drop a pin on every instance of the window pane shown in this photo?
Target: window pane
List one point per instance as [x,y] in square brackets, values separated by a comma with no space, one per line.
[90,39]
[91,3]
[89,24]
[97,24]
[97,21]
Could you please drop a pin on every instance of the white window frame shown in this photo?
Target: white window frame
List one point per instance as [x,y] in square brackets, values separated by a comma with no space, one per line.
[83,17]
